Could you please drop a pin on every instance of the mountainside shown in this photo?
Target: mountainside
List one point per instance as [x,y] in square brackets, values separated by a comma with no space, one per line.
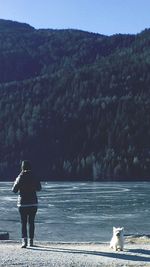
[77,104]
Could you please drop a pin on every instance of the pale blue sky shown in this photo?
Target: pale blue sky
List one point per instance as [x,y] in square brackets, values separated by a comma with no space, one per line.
[100,16]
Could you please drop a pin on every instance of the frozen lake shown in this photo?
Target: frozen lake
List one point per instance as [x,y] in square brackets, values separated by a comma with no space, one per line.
[81,211]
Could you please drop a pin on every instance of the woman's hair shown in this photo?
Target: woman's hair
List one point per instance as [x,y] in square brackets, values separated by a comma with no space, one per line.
[25,165]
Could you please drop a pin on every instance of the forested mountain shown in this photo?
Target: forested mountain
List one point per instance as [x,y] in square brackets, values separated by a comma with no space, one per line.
[77,104]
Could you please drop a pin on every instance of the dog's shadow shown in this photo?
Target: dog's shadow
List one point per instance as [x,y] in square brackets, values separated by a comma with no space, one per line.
[122,255]
[140,251]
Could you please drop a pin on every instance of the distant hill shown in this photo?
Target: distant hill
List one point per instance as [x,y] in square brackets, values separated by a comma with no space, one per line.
[77,104]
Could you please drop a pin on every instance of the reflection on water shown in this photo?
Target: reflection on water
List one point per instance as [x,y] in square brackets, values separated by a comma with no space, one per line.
[81,211]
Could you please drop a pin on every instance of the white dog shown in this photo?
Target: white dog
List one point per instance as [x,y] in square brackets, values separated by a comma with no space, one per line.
[117,241]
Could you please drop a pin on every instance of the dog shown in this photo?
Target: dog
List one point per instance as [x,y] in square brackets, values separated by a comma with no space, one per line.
[117,241]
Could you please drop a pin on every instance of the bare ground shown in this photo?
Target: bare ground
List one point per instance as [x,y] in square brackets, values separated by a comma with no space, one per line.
[136,253]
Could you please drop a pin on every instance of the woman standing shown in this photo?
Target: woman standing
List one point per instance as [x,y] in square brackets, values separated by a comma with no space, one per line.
[27,185]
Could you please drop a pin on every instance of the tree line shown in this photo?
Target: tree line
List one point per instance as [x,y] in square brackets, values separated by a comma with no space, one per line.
[74,103]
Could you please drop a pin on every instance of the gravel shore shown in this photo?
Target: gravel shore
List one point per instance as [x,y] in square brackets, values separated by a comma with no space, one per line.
[136,253]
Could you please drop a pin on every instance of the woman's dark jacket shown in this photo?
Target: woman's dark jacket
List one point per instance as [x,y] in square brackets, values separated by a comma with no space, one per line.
[27,185]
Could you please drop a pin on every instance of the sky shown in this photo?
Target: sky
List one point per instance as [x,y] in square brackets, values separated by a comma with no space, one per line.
[100,16]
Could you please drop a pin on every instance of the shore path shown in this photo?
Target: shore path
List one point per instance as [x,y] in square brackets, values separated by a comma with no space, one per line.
[136,253]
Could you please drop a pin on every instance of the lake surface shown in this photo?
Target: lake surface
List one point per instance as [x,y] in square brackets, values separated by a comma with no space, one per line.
[81,211]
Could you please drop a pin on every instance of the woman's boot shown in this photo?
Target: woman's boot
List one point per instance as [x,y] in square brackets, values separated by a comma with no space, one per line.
[24,242]
[31,242]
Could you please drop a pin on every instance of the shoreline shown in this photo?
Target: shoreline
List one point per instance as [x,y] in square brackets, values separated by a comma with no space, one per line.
[76,254]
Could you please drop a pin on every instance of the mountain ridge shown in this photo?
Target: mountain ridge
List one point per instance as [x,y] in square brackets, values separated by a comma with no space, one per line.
[75,103]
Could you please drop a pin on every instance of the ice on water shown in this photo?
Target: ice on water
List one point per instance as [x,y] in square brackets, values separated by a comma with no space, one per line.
[81,211]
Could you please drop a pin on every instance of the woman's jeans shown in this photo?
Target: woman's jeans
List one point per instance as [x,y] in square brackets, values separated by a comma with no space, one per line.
[27,217]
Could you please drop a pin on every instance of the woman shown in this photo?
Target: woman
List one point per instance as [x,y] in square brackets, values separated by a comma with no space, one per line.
[27,185]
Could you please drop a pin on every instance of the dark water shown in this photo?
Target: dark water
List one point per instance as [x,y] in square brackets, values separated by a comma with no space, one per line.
[81,211]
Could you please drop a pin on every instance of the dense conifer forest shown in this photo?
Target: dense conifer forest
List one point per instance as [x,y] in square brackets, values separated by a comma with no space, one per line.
[75,103]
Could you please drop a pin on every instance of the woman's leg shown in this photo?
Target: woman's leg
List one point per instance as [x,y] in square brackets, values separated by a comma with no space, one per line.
[31,218]
[23,215]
